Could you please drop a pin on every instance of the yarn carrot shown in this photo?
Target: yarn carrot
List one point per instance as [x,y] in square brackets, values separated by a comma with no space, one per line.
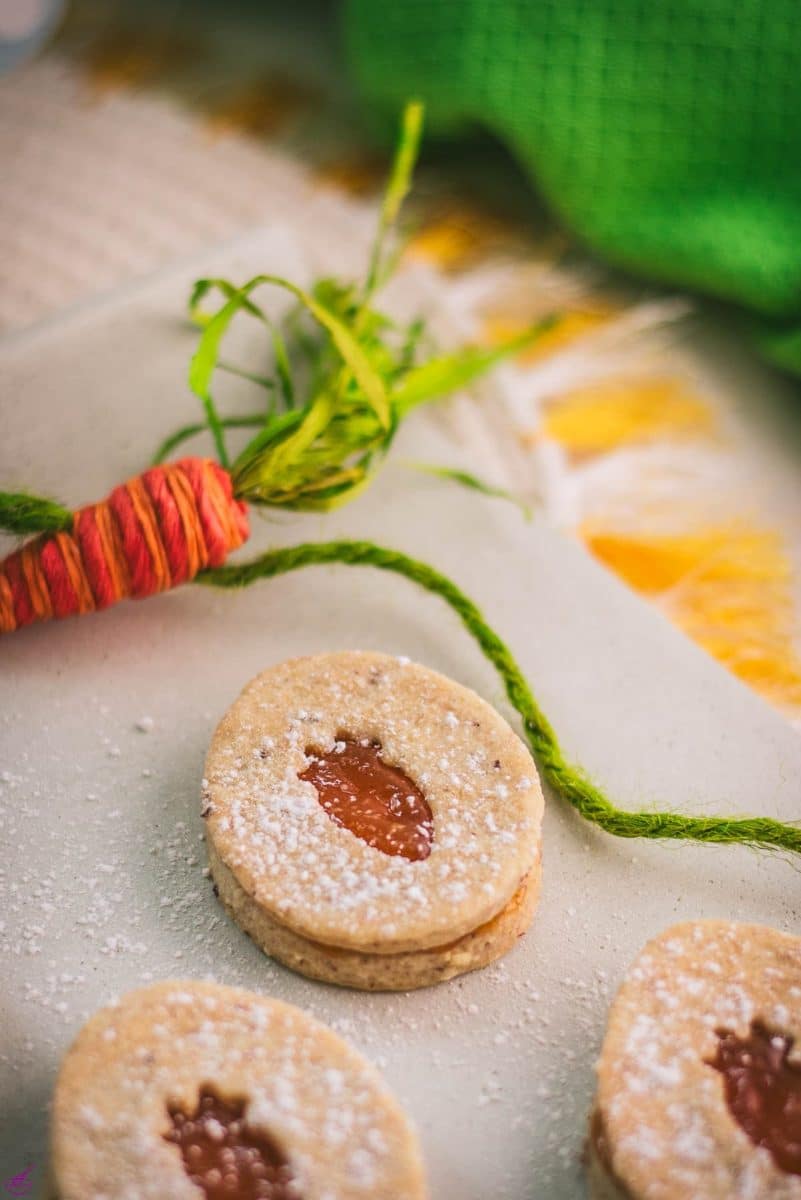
[150,534]
[158,530]
[179,521]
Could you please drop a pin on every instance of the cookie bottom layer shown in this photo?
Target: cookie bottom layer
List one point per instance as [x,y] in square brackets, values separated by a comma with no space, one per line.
[48,1190]
[601,1185]
[378,972]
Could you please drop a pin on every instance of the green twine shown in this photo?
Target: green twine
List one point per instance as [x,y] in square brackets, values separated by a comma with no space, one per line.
[567,780]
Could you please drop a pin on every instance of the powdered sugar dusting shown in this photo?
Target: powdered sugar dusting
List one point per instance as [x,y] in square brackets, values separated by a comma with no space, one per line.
[325,1106]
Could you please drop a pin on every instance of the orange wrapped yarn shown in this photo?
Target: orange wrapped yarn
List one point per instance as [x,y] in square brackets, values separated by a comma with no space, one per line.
[152,533]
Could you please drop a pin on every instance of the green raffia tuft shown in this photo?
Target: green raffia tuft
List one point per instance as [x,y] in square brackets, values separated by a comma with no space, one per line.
[467,480]
[356,370]
[400,182]
[568,781]
[24,514]
[188,431]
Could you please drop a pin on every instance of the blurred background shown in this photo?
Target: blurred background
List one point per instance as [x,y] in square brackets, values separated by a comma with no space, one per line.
[633,169]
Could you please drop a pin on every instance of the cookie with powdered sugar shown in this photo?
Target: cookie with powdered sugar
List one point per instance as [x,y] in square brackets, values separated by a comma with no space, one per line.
[195,1091]
[699,1079]
[371,823]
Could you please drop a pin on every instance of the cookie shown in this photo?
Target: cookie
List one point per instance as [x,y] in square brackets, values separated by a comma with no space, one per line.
[699,1078]
[371,823]
[191,1090]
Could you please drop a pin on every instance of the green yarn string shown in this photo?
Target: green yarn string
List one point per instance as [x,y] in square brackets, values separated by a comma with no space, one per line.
[567,780]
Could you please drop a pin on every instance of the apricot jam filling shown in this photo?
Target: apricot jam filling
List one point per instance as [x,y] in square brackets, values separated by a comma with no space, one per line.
[376,801]
[763,1091]
[224,1156]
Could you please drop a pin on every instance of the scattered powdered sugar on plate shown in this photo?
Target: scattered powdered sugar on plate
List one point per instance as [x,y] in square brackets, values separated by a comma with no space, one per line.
[159,902]
[470,1034]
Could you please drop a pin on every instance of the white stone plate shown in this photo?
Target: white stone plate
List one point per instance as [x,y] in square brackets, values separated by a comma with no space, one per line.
[103,852]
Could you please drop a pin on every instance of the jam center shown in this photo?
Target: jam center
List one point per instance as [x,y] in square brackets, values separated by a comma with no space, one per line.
[224,1157]
[375,801]
[763,1091]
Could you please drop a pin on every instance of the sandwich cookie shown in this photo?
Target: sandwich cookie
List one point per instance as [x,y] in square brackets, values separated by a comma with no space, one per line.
[699,1079]
[194,1091]
[371,823]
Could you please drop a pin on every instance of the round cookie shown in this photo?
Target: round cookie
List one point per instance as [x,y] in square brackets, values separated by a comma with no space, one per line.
[371,823]
[699,1078]
[191,1090]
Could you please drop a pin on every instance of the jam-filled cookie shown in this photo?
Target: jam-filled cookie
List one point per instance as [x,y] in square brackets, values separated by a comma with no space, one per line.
[371,823]
[193,1091]
[699,1079]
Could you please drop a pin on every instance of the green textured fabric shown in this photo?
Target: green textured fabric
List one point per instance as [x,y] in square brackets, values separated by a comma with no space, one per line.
[665,133]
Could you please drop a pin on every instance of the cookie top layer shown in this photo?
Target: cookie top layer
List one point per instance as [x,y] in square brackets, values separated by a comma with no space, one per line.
[324,882]
[695,994]
[303,1092]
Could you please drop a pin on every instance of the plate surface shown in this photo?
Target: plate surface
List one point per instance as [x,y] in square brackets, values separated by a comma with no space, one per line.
[103,844]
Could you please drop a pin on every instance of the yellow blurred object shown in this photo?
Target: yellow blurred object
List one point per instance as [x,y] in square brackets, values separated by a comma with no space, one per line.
[568,327]
[604,417]
[729,588]
[460,235]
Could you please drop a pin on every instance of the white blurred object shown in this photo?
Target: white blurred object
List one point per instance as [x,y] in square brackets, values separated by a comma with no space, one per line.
[24,26]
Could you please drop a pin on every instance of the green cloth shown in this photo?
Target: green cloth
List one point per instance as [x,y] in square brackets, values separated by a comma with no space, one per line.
[665,133]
